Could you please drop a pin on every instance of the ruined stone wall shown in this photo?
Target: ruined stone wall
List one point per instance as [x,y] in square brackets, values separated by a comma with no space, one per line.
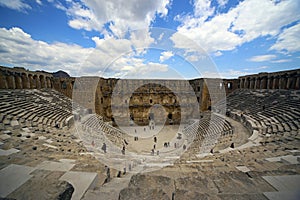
[64,85]
[277,80]
[139,96]
[95,93]
[19,78]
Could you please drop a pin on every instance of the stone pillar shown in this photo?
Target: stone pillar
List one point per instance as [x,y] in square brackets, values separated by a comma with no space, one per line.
[257,83]
[289,84]
[18,81]
[297,85]
[33,82]
[3,81]
[247,83]
[269,82]
[252,82]
[284,82]
[38,82]
[48,82]
[11,82]
[263,83]
[30,81]
[25,81]
[241,83]
[276,82]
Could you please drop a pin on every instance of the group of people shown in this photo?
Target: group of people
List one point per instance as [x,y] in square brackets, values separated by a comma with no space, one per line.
[154,146]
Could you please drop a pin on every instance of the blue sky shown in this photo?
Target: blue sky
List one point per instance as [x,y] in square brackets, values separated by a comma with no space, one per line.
[151,39]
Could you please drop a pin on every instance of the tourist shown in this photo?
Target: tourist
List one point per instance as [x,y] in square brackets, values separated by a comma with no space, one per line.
[152,152]
[129,166]
[104,147]
[124,172]
[119,174]
[158,152]
[123,150]
[57,125]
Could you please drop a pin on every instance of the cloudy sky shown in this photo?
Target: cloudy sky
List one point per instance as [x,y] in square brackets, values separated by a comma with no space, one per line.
[151,38]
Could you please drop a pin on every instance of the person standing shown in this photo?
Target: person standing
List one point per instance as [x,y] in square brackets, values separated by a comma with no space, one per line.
[104,147]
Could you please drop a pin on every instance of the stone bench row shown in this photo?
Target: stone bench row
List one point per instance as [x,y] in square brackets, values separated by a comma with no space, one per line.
[34,109]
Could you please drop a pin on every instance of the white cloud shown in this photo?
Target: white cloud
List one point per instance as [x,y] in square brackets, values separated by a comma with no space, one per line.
[114,16]
[262,18]
[111,55]
[249,20]
[281,61]
[262,58]
[263,67]
[218,53]
[19,49]
[288,40]
[15,5]
[231,73]
[165,55]
[38,2]
[203,9]
[222,3]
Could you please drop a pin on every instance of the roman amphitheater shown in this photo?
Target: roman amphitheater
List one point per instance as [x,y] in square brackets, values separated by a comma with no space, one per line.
[87,138]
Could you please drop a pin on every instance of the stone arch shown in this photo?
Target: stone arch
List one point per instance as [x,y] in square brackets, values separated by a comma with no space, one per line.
[42,81]
[72,85]
[34,82]
[63,85]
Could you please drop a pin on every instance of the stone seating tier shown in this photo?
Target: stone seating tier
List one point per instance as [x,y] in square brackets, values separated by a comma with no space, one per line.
[46,107]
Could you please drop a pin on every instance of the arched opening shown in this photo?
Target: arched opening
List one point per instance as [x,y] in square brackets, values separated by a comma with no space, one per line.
[43,82]
[229,85]
[34,82]
[63,85]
